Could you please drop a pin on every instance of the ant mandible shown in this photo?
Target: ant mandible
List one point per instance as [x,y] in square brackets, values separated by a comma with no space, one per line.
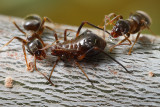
[34,26]
[134,24]
[85,45]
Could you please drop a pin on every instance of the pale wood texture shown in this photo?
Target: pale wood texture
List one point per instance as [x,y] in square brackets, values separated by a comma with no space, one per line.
[113,86]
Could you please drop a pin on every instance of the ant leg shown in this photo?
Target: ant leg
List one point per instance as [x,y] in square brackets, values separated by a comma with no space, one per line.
[114,19]
[86,22]
[41,72]
[18,38]
[65,33]
[24,42]
[41,28]
[111,21]
[145,24]
[130,50]
[120,43]
[128,35]
[107,17]
[83,72]
[25,56]
[54,67]
[19,28]
[55,34]
[48,19]
[96,48]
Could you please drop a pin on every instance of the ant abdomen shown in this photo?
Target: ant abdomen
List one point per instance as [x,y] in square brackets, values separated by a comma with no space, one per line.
[141,16]
[32,22]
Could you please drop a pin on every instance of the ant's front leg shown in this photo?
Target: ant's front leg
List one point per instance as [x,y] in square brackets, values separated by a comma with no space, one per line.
[120,43]
[111,22]
[115,18]
[41,72]
[107,17]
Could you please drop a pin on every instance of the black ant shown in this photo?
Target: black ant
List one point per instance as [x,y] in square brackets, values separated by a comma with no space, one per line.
[35,26]
[85,45]
[134,24]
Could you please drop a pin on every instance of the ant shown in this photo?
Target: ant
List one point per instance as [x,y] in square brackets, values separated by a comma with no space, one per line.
[35,26]
[84,45]
[134,24]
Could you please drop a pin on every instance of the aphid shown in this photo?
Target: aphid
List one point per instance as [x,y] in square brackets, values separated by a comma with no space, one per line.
[34,26]
[134,24]
[85,45]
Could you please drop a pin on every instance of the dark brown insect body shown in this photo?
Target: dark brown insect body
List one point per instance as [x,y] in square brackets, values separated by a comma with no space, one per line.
[32,22]
[34,26]
[85,45]
[134,24]
[73,49]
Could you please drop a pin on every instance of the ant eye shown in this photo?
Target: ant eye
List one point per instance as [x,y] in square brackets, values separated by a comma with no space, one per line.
[117,29]
[38,53]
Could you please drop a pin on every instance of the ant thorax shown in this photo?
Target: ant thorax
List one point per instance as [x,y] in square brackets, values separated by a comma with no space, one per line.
[30,35]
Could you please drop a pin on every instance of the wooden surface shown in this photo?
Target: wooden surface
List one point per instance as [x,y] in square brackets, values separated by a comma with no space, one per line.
[113,86]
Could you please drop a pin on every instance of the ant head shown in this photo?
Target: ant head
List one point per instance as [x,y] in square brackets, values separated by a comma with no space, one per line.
[120,28]
[40,54]
[34,49]
[32,22]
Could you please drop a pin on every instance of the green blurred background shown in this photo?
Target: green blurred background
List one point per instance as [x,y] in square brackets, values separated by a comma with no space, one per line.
[73,12]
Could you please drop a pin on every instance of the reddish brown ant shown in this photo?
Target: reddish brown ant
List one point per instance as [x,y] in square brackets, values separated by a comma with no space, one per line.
[85,45]
[35,26]
[134,24]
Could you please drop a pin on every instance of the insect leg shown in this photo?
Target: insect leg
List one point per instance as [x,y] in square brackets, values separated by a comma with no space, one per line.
[41,72]
[130,50]
[65,33]
[86,22]
[19,28]
[96,48]
[54,67]
[25,55]
[83,72]
[18,38]
[114,19]
[120,43]
[41,28]
[55,34]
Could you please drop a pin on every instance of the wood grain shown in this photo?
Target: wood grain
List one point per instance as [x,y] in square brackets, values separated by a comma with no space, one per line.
[113,86]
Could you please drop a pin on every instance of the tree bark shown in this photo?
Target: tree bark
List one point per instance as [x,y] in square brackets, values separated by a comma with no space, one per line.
[112,85]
